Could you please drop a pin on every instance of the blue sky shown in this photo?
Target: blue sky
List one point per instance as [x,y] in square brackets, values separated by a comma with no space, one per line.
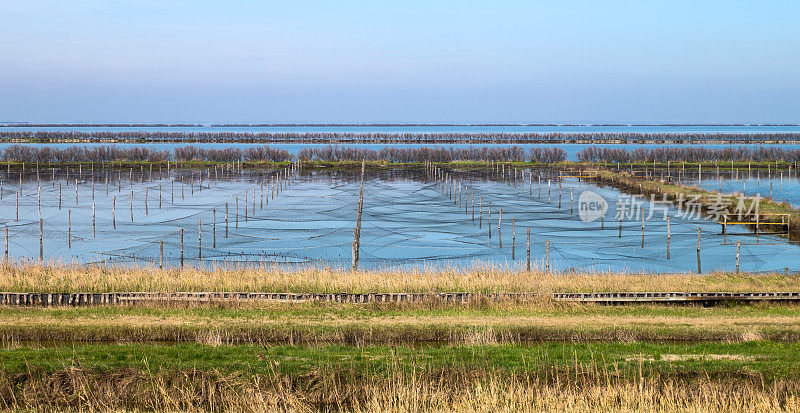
[403,61]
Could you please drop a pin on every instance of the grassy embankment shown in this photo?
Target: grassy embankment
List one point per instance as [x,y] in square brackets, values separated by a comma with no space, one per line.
[387,324]
[548,377]
[676,192]
[486,356]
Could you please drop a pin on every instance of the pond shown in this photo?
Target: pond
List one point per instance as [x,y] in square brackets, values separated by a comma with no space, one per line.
[409,220]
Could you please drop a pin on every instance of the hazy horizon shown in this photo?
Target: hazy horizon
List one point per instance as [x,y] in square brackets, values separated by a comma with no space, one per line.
[580,62]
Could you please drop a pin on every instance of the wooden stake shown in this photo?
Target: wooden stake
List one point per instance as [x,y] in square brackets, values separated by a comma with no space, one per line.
[699,271]
[669,236]
[528,251]
[181,247]
[571,200]
[480,212]
[642,230]
[199,238]
[161,254]
[513,237]
[214,228]
[738,248]
[499,234]
[547,258]
[41,239]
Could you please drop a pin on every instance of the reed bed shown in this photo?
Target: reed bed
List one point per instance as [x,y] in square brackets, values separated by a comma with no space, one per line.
[344,153]
[581,388]
[330,153]
[54,277]
[597,154]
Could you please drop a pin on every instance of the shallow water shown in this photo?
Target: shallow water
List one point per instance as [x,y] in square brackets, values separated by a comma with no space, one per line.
[779,185]
[408,221]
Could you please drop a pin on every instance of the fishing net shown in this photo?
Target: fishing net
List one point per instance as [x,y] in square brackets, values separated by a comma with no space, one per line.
[410,219]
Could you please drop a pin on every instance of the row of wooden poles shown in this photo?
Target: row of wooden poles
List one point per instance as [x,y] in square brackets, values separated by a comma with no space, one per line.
[457,191]
[277,183]
[734,173]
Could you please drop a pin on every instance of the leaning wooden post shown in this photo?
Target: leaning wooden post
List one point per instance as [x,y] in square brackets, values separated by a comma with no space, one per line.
[93,222]
[357,229]
[236,215]
[6,245]
[528,251]
[114,212]
[181,247]
[161,254]
[355,249]
[226,220]
[214,228]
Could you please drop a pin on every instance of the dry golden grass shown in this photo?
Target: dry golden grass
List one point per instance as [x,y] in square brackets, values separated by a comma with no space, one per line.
[76,278]
[587,389]
[318,323]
